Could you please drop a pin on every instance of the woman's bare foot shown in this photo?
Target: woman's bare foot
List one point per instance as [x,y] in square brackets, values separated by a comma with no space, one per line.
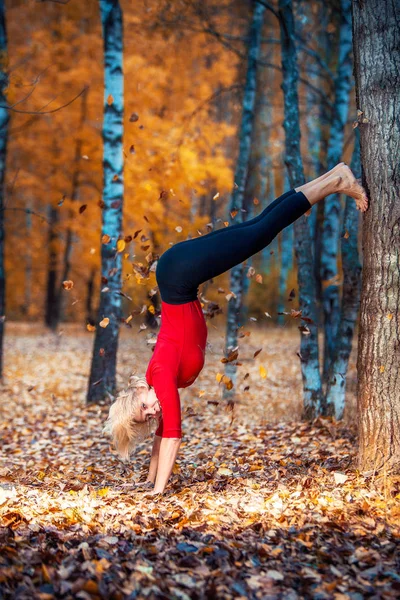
[339,180]
[351,186]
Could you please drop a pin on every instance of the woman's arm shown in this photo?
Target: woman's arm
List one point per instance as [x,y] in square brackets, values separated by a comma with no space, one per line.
[169,449]
[164,381]
[154,460]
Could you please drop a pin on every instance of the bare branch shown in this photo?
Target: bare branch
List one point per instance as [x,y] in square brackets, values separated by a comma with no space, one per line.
[46,112]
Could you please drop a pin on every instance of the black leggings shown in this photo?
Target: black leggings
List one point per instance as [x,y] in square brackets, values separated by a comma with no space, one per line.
[184,266]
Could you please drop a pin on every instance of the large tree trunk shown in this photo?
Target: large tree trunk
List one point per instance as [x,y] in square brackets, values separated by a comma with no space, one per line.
[377,71]
[4,119]
[331,223]
[103,369]
[242,167]
[312,390]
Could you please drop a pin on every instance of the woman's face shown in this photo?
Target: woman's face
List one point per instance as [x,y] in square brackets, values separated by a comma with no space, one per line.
[149,407]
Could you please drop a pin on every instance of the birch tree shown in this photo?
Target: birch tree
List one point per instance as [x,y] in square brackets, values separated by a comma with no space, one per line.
[312,389]
[241,172]
[103,368]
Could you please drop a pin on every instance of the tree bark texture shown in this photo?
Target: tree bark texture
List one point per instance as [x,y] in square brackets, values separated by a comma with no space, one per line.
[102,380]
[312,390]
[376,35]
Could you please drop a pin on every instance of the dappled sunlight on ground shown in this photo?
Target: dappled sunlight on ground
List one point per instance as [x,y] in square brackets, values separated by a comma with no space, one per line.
[258,506]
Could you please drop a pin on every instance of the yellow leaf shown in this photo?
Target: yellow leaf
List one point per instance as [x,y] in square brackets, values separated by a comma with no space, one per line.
[104,322]
[389,316]
[218,377]
[46,574]
[103,491]
[121,245]
[263,372]
[151,309]
[90,327]
[224,471]
[382,368]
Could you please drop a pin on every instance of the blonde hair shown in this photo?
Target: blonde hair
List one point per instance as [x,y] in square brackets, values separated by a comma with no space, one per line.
[120,423]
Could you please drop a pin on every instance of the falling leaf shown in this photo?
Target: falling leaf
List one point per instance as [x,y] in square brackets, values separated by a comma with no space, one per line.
[226,223]
[216,196]
[233,213]
[346,235]
[256,201]
[257,352]
[267,315]
[134,117]
[82,208]
[105,239]
[259,278]
[263,372]
[90,327]
[132,149]
[121,245]
[68,284]
[110,100]
[382,368]
[178,228]
[60,203]
[389,316]
[104,322]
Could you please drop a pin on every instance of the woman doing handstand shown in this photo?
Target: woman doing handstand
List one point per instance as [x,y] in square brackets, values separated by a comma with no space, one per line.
[178,355]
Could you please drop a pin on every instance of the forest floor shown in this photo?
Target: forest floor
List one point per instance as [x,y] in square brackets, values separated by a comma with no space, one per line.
[260,505]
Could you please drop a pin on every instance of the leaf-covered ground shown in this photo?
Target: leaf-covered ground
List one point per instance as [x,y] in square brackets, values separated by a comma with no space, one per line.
[260,505]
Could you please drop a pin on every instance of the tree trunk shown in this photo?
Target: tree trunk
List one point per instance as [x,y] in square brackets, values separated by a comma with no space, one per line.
[303,243]
[74,196]
[52,298]
[332,208]
[4,119]
[103,369]
[336,385]
[376,35]
[242,167]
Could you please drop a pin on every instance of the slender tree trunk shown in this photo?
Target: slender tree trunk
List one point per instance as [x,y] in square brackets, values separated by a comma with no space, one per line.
[377,71]
[66,264]
[336,386]
[90,311]
[312,391]
[103,369]
[52,299]
[286,260]
[4,119]
[28,261]
[242,167]
[331,223]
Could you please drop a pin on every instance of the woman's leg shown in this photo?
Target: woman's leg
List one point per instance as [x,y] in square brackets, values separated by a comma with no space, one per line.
[188,264]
